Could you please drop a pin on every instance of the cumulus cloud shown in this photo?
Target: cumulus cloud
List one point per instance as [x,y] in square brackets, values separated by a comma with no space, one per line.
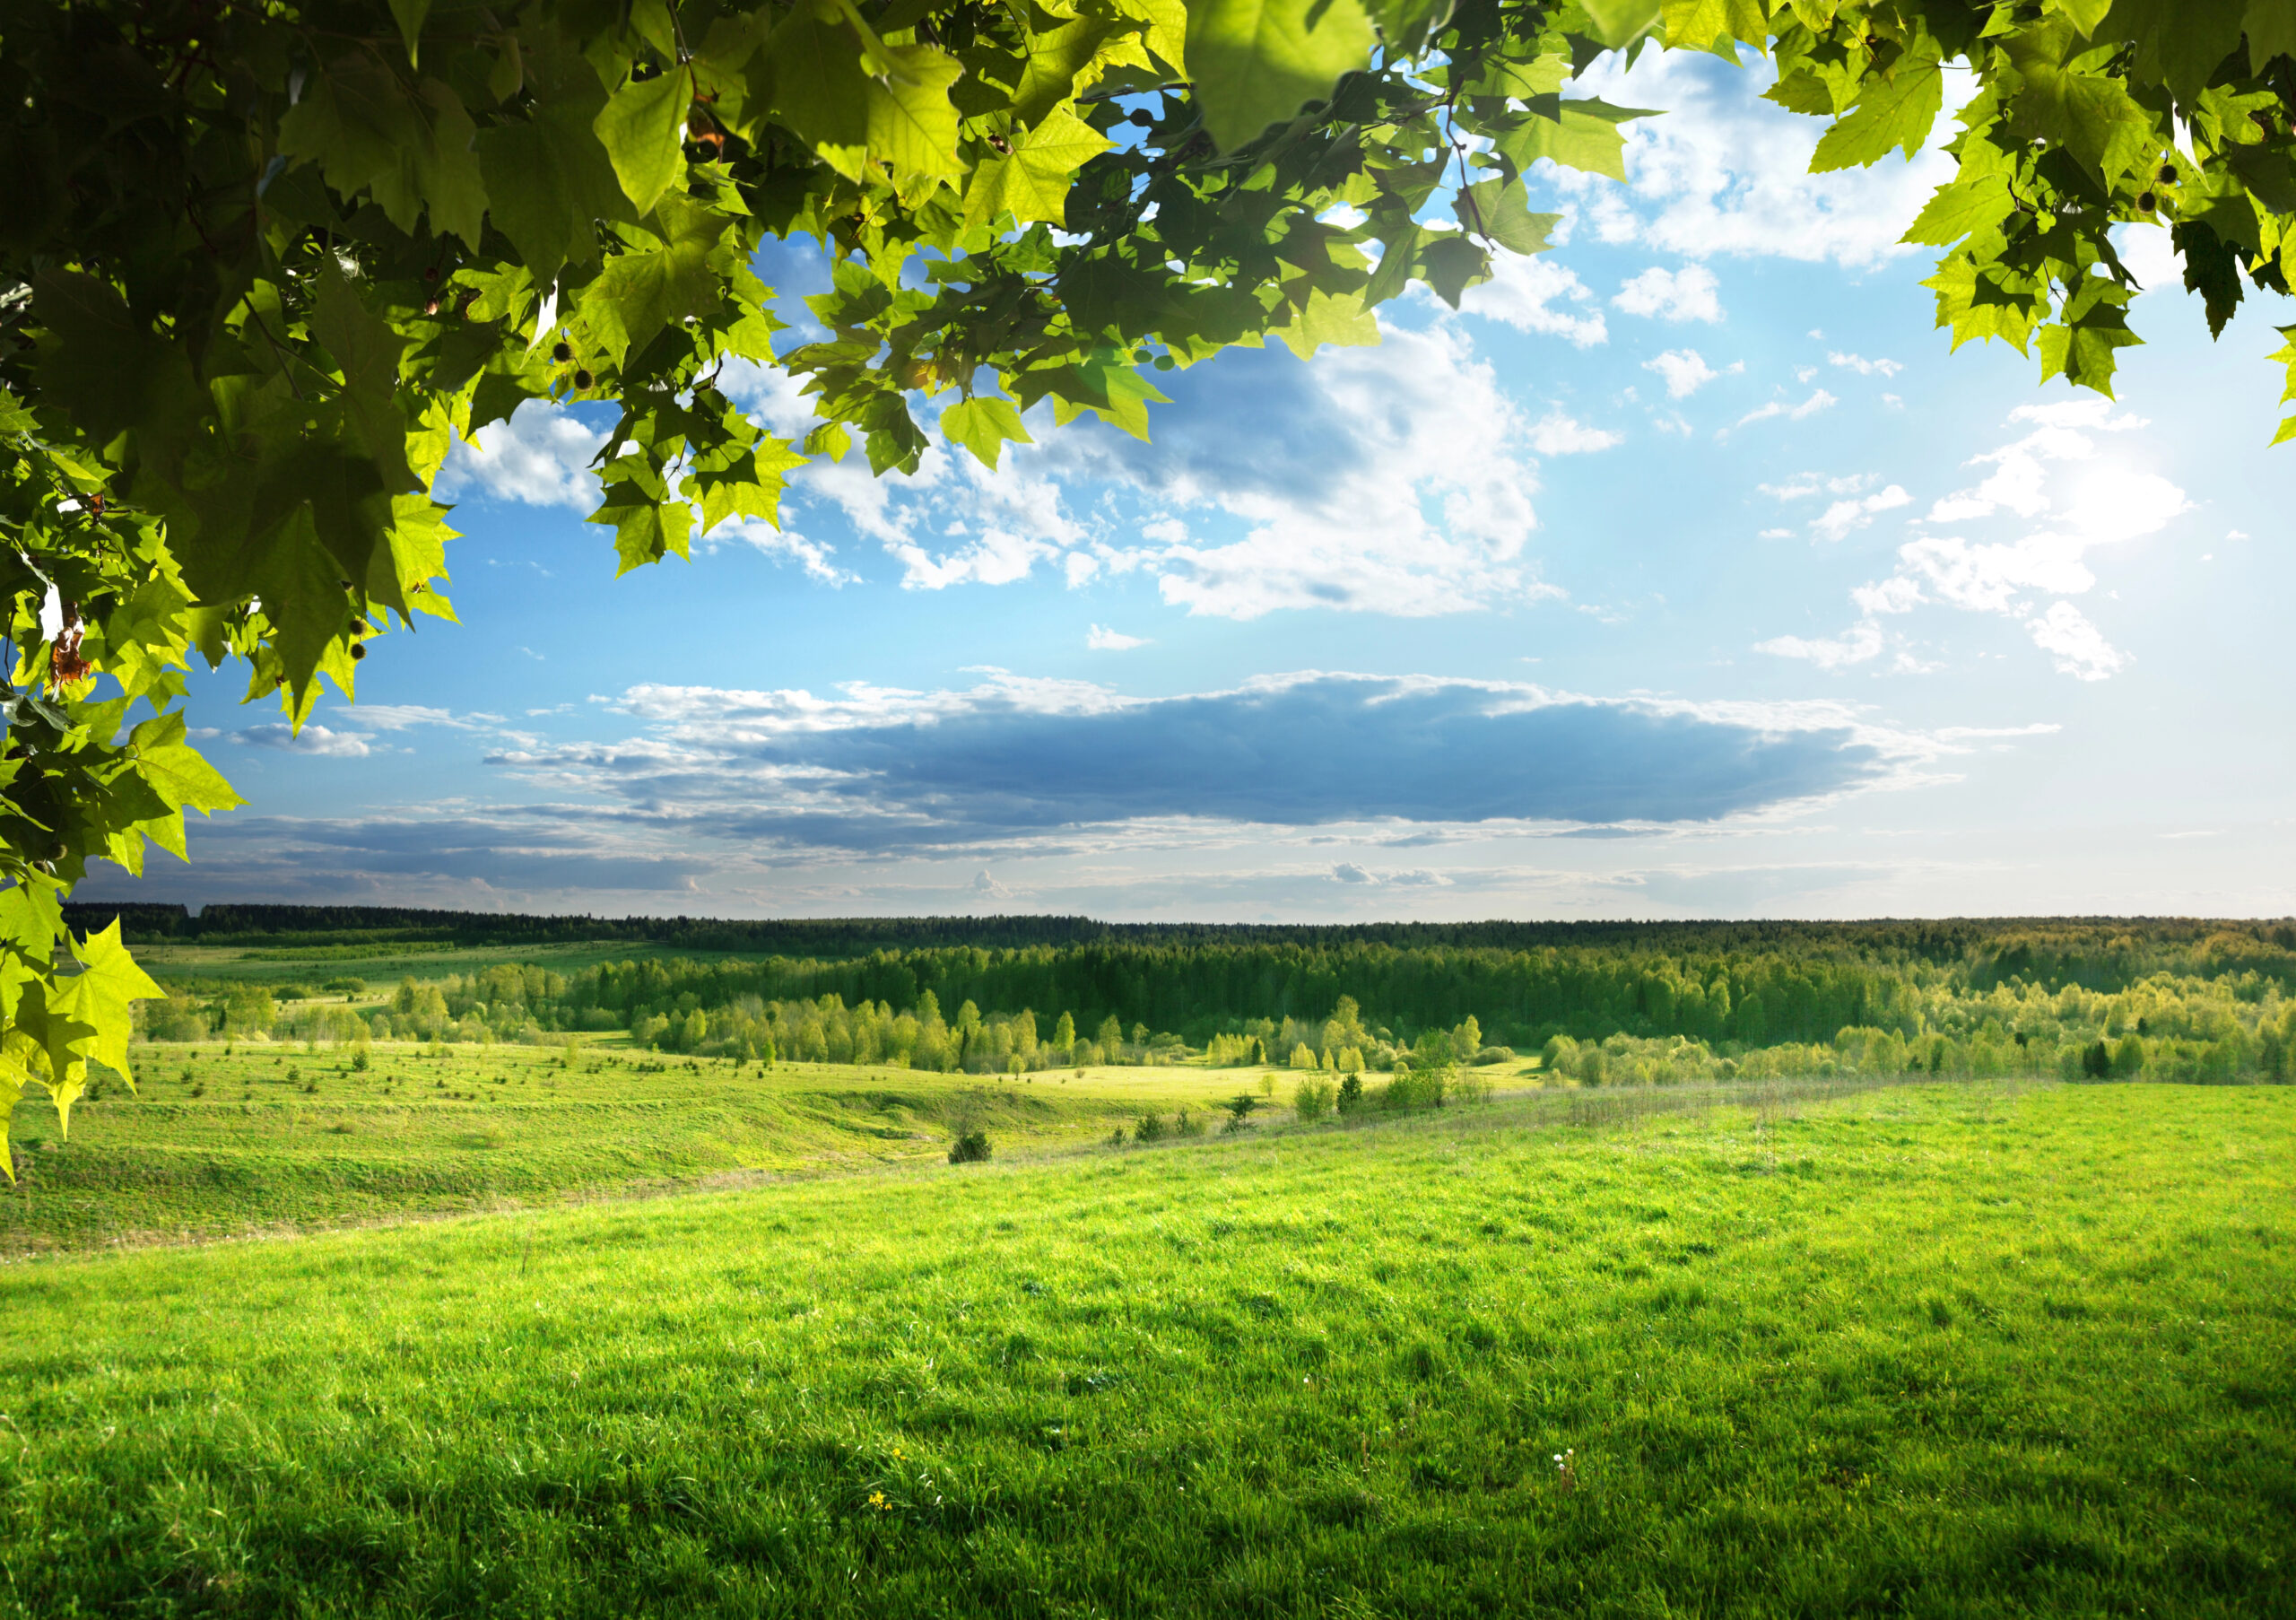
[1860,642]
[1397,479]
[1725,172]
[2068,501]
[1845,518]
[312,739]
[1558,433]
[1537,295]
[1688,293]
[1863,366]
[2075,646]
[1012,761]
[1685,371]
[541,457]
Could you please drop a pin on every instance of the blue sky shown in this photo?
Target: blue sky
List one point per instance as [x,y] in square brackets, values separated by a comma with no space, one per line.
[1683,573]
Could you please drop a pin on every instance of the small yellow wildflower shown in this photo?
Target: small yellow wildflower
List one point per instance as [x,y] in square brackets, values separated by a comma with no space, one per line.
[877,1501]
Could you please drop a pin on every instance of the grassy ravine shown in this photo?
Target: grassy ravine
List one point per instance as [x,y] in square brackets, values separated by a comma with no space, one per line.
[242,1146]
[1923,1350]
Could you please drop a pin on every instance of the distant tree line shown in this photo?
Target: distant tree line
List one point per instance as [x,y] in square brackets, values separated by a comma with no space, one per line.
[2170,1002]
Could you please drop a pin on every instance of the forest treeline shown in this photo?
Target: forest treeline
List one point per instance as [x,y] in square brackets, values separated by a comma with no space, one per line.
[2198,1001]
[2098,952]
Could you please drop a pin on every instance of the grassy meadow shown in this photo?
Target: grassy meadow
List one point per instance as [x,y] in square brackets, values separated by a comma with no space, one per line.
[223,1138]
[1974,1348]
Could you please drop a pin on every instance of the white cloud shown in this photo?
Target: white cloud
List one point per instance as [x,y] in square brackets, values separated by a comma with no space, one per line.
[399,716]
[1844,517]
[1397,479]
[1896,595]
[1726,172]
[1860,642]
[2076,646]
[541,457]
[1863,366]
[1685,371]
[2049,475]
[815,557]
[1685,294]
[1525,293]
[1802,485]
[312,739]
[1819,400]
[1101,639]
[1558,433]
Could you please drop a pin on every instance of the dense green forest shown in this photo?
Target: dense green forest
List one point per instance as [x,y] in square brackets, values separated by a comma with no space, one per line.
[2177,999]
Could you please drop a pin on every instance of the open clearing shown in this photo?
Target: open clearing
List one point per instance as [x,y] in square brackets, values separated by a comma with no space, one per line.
[1938,1350]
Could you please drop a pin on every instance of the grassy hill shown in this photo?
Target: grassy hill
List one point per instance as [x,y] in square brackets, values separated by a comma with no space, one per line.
[1937,1351]
[227,1138]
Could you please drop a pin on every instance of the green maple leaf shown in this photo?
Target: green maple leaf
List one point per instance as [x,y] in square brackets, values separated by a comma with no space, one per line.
[1257,62]
[982,426]
[1033,180]
[366,351]
[1578,134]
[2090,114]
[101,996]
[648,524]
[1107,384]
[745,483]
[1451,263]
[174,770]
[103,366]
[642,128]
[639,293]
[813,75]
[2271,29]
[1341,321]
[1959,207]
[1896,111]
[1713,25]
[31,919]
[1618,23]
[1499,210]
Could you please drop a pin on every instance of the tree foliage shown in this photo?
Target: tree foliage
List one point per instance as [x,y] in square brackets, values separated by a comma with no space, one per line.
[263,262]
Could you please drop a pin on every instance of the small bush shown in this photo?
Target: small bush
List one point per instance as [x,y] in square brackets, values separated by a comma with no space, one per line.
[970,1147]
[1149,1127]
[1313,1099]
[359,1061]
[1188,1125]
[1351,1094]
[1417,1088]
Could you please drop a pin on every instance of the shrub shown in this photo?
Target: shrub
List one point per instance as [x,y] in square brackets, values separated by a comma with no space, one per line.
[359,1059]
[970,1147]
[344,986]
[1351,1094]
[1188,1125]
[1494,1054]
[1418,1088]
[1149,1127]
[1313,1099]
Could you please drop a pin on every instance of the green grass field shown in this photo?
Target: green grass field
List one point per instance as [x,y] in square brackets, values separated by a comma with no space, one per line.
[1933,1350]
[217,1144]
